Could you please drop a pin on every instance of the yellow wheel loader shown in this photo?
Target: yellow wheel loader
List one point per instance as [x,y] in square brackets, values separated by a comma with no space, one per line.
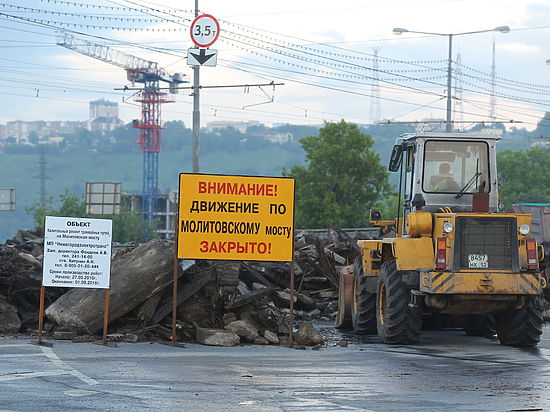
[449,252]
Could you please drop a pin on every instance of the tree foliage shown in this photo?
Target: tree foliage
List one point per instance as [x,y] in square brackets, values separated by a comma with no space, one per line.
[127,226]
[542,129]
[343,178]
[524,176]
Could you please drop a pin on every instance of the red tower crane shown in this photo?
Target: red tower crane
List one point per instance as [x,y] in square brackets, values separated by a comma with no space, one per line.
[149,73]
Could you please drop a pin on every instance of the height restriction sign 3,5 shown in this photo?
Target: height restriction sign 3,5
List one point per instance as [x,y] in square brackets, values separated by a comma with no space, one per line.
[205,30]
[236,217]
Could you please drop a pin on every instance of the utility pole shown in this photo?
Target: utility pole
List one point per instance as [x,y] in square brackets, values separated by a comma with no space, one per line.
[448,124]
[399,31]
[374,109]
[196,111]
[458,106]
[492,115]
[42,176]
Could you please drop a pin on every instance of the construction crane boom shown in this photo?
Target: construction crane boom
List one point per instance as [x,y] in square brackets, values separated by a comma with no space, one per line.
[150,74]
[138,69]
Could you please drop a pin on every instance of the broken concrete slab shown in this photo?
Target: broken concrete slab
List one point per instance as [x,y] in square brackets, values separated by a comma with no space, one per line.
[82,309]
[217,337]
[307,335]
[228,318]
[283,298]
[9,320]
[244,329]
[271,337]
[249,297]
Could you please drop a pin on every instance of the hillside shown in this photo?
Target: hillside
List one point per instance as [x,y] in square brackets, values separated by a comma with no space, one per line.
[87,158]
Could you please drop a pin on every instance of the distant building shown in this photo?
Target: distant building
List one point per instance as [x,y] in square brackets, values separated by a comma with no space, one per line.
[103,116]
[20,130]
[165,215]
[240,126]
[275,137]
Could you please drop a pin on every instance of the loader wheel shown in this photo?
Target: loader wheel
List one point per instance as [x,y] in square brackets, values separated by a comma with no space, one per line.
[521,327]
[343,316]
[363,303]
[397,321]
[480,325]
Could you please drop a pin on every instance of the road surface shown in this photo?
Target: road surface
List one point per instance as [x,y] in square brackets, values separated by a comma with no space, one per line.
[448,371]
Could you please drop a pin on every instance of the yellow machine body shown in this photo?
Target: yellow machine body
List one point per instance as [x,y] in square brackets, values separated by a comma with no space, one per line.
[417,253]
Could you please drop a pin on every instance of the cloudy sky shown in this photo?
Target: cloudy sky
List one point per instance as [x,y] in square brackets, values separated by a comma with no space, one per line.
[337,60]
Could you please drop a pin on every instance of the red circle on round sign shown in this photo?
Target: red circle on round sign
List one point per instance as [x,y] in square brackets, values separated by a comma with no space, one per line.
[209,39]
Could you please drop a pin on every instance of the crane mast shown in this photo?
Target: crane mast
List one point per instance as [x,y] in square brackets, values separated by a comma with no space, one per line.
[151,98]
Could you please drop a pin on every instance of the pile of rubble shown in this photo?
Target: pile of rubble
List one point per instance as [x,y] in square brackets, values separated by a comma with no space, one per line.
[218,302]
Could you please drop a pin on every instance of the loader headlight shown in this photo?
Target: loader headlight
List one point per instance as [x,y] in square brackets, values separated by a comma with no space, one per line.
[524,229]
[447,227]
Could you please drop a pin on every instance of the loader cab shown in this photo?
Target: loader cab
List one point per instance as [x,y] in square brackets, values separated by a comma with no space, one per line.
[445,170]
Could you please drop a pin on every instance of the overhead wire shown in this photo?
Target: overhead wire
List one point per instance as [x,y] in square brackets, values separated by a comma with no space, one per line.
[439,85]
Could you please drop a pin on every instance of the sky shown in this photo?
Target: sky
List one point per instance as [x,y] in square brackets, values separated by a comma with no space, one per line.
[337,60]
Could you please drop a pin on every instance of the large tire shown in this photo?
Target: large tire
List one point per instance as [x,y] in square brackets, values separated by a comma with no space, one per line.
[521,327]
[363,303]
[343,316]
[480,325]
[398,322]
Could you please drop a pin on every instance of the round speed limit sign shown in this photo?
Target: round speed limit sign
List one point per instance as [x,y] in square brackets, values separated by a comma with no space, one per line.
[205,30]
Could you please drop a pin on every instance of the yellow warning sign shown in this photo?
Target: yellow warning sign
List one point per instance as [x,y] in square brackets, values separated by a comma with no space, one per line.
[235,217]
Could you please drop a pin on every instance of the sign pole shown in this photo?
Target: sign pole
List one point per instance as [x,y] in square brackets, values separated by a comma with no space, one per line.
[291,326]
[175,281]
[39,340]
[196,118]
[106,317]
[41,315]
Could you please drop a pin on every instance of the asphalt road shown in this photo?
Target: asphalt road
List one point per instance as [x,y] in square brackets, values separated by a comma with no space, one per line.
[447,372]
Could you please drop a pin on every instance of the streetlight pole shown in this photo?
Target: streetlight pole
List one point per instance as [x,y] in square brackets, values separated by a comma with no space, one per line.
[449,120]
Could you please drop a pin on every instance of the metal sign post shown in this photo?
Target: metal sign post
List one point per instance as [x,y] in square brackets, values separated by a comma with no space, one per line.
[204,31]
[175,281]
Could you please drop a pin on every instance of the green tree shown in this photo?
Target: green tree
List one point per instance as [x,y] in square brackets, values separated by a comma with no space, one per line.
[543,127]
[343,178]
[389,206]
[70,206]
[127,226]
[524,175]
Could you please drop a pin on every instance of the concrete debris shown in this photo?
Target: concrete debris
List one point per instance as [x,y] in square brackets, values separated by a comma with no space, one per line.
[217,337]
[82,309]
[271,337]
[9,320]
[228,318]
[307,335]
[64,335]
[221,303]
[258,340]
[244,329]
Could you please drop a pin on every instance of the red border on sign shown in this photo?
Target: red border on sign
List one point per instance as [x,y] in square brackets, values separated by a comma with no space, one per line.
[217,30]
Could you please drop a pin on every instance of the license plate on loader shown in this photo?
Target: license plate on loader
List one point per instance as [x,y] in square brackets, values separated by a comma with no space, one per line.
[478,261]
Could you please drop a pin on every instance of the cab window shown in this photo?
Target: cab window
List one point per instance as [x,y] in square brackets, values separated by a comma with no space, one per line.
[451,166]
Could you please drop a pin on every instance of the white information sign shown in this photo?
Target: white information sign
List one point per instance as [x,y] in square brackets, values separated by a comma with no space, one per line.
[77,252]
